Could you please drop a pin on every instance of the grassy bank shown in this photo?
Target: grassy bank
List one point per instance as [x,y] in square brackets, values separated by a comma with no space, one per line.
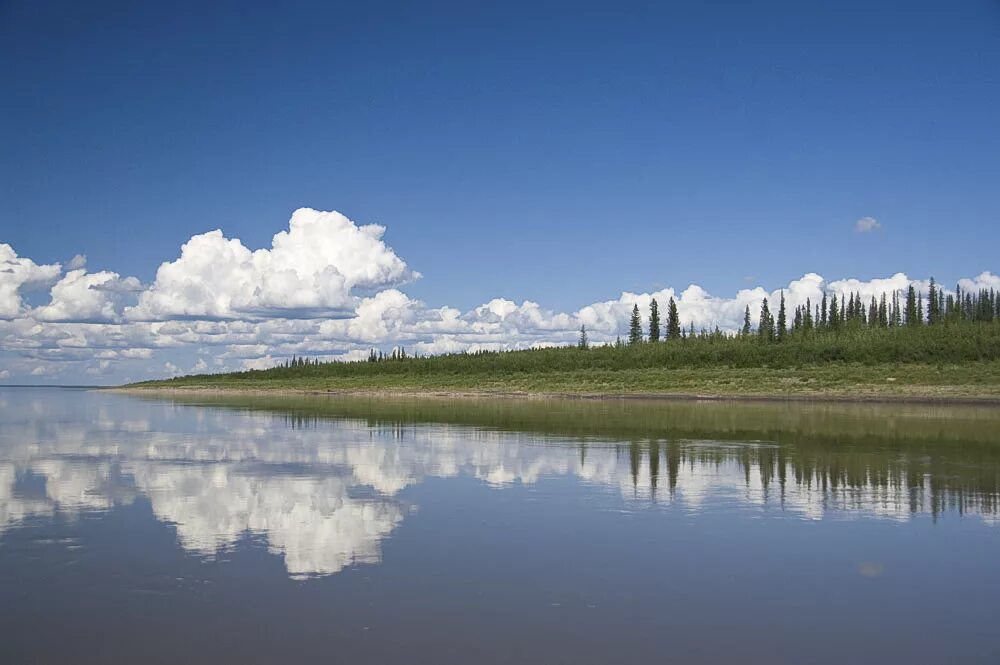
[959,380]
[961,361]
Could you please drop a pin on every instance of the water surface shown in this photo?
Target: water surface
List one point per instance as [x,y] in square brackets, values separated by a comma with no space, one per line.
[329,530]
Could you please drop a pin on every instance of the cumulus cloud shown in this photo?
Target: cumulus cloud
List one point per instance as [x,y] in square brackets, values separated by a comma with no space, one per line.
[314,269]
[867,225]
[326,288]
[78,296]
[17,273]
[985,280]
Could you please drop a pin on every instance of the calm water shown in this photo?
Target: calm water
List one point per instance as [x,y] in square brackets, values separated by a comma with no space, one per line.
[293,530]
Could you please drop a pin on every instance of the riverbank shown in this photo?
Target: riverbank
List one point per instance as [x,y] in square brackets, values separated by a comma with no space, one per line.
[966,382]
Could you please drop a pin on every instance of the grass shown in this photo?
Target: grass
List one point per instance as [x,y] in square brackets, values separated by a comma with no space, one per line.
[946,361]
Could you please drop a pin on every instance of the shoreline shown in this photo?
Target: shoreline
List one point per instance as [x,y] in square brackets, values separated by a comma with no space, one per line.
[836,398]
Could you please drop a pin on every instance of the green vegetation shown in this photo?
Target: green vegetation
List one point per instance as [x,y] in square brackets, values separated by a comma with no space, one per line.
[840,348]
[635,327]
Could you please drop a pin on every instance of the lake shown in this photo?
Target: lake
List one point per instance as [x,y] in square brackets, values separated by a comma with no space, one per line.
[265,530]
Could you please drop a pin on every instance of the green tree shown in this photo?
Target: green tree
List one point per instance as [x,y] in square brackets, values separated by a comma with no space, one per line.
[673,320]
[782,318]
[833,316]
[654,321]
[635,327]
[911,307]
[933,313]
[584,343]
[765,327]
[746,322]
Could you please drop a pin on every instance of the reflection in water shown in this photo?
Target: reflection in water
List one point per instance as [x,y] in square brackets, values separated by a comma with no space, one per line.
[323,481]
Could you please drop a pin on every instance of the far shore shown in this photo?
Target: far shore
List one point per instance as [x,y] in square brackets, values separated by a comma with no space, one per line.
[914,396]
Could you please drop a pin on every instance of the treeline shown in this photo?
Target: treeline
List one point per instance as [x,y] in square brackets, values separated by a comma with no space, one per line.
[377,356]
[849,311]
[374,356]
[958,342]
[907,327]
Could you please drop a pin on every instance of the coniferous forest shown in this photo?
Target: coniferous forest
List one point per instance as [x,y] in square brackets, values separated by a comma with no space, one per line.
[945,345]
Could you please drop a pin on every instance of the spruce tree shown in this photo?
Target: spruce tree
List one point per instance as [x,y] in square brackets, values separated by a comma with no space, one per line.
[673,320]
[584,343]
[746,322]
[933,315]
[823,317]
[635,327]
[911,306]
[765,327]
[654,321]
[833,316]
[782,320]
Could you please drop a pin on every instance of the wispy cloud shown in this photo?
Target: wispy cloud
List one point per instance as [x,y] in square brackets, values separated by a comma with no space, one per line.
[867,225]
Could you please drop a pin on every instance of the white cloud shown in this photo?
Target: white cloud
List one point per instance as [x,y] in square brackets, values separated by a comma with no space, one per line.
[874,287]
[985,280]
[101,368]
[16,273]
[77,297]
[4,374]
[78,261]
[325,289]
[867,225]
[312,270]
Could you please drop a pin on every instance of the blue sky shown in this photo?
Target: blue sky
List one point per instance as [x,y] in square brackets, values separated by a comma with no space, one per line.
[557,152]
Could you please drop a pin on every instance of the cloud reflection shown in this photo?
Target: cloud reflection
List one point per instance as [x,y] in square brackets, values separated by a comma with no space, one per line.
[326,495]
